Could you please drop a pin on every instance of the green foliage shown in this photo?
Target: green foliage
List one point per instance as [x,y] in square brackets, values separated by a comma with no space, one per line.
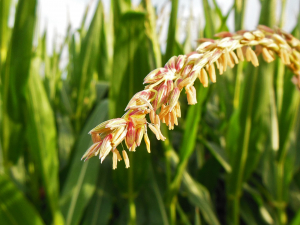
[233,159]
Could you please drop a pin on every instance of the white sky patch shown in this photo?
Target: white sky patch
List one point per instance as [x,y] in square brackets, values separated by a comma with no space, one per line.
[54,15]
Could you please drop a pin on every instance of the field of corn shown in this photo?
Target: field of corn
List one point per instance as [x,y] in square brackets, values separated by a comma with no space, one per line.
[234,158]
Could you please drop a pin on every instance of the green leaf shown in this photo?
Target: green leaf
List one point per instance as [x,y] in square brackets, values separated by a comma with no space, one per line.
[81,79]
[81,180]
[219,154]
[189,139]
[172,31]
[199,196]
[105,53]
[41,136]
[151,33]
[133,65]
[14,79]
[4,30]
[239,14]
[129,67]
[248,131]
[183,216]
[14,207]
[296,219]
[210,26]
[153,196]
[65,139]
[100,207]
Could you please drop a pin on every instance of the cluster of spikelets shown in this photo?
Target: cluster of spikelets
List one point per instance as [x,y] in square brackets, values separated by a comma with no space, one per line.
[165,85]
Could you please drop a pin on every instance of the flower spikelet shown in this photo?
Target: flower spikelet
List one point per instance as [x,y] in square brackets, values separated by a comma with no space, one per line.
[160,97]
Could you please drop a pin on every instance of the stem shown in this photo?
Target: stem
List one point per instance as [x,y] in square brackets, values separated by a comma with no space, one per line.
[239,10]
[239,71]
[168,150]
[236,206]
[173,211]
[238,174]
[236,210]
[279,86]
[172,30]
[280,210]
[132,211]
[282,13]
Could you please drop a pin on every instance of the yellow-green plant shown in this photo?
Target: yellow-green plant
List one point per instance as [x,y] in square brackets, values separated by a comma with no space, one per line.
[232,159]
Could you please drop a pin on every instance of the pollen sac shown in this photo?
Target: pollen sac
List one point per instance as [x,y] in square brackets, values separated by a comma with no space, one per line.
[139,135]
[171,64]
[186,71]
[177,82]
[191,95]
[170,86]
[118,136]
[95,137]
[106,145]
[223,34]
[174,98]
[100,128]
[130,136]
[115,123]
[147,142]
[135,99]
[91,151]
[155,75]
[205,47]
[161,95]
[180,62]
[126,159]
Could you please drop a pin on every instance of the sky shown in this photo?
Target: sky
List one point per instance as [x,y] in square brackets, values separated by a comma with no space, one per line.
[56,14]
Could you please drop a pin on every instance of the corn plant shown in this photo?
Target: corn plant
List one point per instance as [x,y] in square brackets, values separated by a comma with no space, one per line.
[232,159]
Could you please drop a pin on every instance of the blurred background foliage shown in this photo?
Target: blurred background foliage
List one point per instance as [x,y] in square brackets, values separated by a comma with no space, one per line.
[233,159]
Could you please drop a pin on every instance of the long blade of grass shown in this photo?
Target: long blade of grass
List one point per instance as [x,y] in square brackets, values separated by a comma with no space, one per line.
[81,180]
[151,33]
[14,207]
[197,194]
[253,129]
[219,154]
[157,205]
[100,207]
[41,136]
[189,139]
[172,30]
[131,64]
[17,63]
[87,62]
[4,30]
[210,26]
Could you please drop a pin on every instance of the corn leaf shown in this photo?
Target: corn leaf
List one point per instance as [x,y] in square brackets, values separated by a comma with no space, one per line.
[14,85]
[82,77]
[4,30]
[41,136]
[172,31]
[100,207]
[81,180]
[14,207]
[131,64]
[189,139]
